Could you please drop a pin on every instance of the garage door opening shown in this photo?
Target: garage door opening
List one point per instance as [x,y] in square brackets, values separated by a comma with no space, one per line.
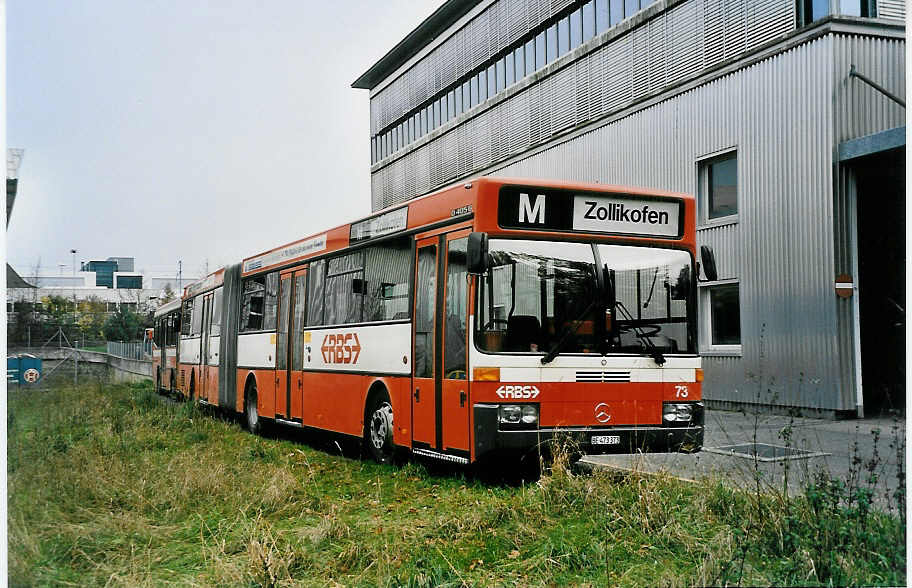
[881,210]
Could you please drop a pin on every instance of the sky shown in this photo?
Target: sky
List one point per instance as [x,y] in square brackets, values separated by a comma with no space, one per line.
[188,130]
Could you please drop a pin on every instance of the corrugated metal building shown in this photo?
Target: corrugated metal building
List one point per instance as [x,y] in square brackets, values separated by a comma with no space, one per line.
[798,163]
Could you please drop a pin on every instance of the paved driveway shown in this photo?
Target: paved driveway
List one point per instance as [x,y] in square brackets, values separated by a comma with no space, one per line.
[842,448]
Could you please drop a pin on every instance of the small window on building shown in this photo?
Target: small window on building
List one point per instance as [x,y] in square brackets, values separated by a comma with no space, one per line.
[492,81]
[811,10]
[519,62]
[601,16]
[563,35]
[540,57]
[466,95]
[589,20]
[718,187]
[725,315]
[509,70]
[551,52]
[451,105]
[530,56]
[631,7]
[458,95]
[617,11]
[473,91]
[499,75]
[576,28]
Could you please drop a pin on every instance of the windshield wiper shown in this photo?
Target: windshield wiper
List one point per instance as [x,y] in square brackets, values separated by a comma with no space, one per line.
[655,354]
[552,353]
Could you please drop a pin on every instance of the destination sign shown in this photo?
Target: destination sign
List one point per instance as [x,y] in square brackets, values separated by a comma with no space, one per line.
[286,253]
[377,226]
[206,283]
[571,211]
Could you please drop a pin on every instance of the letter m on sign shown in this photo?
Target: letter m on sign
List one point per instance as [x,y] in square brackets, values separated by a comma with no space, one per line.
[530,212]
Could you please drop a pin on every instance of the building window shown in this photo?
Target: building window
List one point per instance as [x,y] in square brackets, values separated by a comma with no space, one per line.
[718,187]
[721,307]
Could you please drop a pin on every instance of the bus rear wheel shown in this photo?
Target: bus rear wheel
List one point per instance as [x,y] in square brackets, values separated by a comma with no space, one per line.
[251,416]
[378,436]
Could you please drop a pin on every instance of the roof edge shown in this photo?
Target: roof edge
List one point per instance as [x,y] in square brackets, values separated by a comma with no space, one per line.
[450,12]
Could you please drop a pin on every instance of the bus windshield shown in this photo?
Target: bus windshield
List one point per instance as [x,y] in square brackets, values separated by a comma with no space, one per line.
[538,296]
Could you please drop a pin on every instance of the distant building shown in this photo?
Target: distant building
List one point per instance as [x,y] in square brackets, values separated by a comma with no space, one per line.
[105,271]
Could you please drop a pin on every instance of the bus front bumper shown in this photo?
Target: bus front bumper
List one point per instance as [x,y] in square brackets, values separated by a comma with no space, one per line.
[489,439]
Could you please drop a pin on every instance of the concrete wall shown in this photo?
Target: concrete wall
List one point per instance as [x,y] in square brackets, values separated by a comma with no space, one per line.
[59,364]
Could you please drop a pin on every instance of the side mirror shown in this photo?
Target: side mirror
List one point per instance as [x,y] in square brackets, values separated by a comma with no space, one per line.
[477,253]
[709,263]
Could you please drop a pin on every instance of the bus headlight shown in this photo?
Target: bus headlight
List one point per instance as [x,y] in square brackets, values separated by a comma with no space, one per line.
[518,415]
[510,414]
[677,412]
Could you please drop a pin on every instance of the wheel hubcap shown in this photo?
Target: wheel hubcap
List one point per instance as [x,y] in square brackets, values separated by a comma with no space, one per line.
[381,425]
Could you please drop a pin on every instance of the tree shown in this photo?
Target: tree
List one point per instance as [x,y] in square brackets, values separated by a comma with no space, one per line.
[123,325]
[92,317]
[167,294]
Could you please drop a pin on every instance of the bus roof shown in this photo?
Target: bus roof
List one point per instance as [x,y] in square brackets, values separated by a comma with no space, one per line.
[168,307]
[447,204]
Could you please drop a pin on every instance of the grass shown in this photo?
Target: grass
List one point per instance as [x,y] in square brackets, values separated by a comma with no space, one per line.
[112,485]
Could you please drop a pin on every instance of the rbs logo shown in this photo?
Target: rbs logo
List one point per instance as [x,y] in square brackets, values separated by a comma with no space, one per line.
[518,392]
[341,348]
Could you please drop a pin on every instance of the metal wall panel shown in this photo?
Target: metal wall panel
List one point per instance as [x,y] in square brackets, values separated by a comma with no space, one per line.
[862,110]
[659,52]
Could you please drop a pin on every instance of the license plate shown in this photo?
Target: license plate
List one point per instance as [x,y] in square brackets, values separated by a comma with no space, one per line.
[606,439]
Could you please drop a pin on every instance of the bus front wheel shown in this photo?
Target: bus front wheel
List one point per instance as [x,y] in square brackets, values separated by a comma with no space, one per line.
[379,433]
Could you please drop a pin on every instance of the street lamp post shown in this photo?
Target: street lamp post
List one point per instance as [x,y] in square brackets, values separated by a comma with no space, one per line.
[73,251]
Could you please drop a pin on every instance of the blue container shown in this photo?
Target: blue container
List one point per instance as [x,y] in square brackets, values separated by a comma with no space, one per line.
[23,369]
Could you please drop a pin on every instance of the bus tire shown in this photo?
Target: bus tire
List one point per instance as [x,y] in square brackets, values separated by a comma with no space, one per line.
[378,432]
[251,417]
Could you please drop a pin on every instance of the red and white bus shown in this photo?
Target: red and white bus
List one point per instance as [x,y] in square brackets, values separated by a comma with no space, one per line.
[483,319]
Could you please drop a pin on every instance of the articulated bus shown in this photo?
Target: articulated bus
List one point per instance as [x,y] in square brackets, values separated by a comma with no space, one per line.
[484,319]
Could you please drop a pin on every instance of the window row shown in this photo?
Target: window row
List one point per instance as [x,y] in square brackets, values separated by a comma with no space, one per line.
[533,52]
[368,285]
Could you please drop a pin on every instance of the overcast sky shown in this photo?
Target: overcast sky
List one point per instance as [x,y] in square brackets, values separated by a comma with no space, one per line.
[186,129]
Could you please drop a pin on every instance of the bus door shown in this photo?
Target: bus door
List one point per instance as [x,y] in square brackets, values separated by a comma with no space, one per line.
[289,379]
[440,393]
[203,381]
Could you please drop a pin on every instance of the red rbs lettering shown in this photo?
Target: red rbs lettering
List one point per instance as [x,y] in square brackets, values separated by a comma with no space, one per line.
[341,348]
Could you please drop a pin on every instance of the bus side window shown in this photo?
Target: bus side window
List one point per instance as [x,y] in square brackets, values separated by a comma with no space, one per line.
[185,317]
[252,305]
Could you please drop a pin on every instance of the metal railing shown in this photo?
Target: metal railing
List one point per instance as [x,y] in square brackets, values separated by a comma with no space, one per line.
[131,350]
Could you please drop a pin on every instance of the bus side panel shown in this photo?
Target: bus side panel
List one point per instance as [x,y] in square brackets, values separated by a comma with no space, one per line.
[265,387]
[212,382]
[400,395]
[265,383]
[241,384]
[335,401]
